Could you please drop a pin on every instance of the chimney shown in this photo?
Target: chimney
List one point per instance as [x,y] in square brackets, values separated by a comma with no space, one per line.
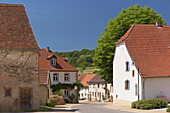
[48,49]
[158,24]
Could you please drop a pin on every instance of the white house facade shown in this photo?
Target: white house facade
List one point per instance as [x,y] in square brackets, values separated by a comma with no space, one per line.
[145,48]
[97,89]
[84,93]
[84,79]
[59,71]
[121,75]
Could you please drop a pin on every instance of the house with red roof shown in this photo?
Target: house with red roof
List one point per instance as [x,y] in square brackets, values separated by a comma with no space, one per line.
[84,79]
[141,68]
[19,53]
[53,70]
[95,88]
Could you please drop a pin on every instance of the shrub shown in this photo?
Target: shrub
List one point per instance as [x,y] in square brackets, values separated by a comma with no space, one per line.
[168,109]
[53,102]
[72,97]
[59,93]
[149,104]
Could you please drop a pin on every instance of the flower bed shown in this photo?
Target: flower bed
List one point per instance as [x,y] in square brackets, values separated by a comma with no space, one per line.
[149,104]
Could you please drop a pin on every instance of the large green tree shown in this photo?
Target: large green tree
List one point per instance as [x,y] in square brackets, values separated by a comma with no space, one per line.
[116,28]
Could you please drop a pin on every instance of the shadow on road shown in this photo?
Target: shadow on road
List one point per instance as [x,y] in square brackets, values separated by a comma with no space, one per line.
[64,110]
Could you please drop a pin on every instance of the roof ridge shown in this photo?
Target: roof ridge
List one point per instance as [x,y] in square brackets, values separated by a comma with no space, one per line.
[11,5]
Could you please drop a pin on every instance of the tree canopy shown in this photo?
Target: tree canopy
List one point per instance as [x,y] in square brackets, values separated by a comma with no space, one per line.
[116,28]
[83,58]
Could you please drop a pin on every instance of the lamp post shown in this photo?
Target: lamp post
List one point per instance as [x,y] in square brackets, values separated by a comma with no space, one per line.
[133,63]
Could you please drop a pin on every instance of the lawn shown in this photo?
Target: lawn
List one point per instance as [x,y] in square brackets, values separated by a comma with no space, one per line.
[87,70]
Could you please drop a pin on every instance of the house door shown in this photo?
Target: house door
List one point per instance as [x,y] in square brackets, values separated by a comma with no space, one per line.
[25,98]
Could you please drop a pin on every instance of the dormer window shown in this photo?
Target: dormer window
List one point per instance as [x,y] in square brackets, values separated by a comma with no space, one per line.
[53,61]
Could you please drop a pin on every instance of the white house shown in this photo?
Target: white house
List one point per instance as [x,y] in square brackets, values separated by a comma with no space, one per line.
[97,89]
[58,70]
[141,68]
[84,92]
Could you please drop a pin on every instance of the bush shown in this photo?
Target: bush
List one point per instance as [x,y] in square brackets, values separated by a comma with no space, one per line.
[149,104]
[53,102]
[59,93]
[168,109]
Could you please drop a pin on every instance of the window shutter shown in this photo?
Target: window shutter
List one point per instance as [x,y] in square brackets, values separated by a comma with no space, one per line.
[128,84]
[125,84]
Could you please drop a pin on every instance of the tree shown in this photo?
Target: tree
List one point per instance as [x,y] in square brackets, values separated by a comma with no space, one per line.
[116,28]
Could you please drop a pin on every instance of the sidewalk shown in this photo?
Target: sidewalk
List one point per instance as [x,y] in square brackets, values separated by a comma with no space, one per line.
[128,108]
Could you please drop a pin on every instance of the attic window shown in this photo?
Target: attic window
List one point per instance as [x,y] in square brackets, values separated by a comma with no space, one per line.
[169,46]
[53,62]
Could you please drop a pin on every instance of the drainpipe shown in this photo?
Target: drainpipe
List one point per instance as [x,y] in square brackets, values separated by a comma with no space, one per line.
[138,81]
[144,88]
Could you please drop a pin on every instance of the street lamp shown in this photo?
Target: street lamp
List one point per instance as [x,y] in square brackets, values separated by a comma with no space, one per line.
[133,63]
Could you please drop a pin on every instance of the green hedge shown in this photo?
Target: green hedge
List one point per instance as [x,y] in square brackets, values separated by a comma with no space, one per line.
[149,104]
[53,102]
[168,109]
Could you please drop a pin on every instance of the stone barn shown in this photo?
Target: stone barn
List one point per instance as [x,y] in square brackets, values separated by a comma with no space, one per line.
[19,64]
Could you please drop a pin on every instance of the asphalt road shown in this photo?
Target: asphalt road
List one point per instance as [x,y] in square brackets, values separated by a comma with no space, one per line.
[96,108]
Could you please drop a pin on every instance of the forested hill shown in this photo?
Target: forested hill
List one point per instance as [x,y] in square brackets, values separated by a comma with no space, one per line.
[83,58]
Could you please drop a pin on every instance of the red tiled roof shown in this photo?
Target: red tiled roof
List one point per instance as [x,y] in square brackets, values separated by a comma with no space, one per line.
[64,58]
[61,65]
[97,79]
[15,28]
[81,77]
[43,75]
[86,79]
[148,45]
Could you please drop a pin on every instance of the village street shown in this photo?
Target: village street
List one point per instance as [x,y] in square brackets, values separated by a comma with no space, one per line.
[95,108]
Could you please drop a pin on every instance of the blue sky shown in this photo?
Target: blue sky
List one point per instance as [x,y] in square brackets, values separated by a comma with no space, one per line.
[67,25]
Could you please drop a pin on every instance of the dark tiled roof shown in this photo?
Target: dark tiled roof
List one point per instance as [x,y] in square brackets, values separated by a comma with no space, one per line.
[149,45]
[15,28]
[97,79]
[86,78]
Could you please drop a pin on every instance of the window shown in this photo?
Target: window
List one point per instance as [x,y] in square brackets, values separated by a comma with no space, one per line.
[55,77]
[127,85]
[127,66]
[7,92]
[95,94]
[93,85]
[98,85]
[66,93]
[133,73]
[136,89]
[66,77]
[53,61]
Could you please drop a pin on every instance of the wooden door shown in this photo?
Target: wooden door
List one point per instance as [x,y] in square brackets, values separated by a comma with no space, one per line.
[25,98]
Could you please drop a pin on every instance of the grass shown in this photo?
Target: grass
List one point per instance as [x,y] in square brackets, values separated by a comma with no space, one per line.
[42,108]
[86,70]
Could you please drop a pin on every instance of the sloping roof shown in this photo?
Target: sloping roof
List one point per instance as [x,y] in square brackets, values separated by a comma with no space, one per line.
[86,78]
[61,65]
[97,79]
[43,76]
[149,45]
[15,28]
[81,77]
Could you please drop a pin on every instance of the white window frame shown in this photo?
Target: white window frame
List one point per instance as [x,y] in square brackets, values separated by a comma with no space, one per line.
[68,78]
[53,61]
[55,75]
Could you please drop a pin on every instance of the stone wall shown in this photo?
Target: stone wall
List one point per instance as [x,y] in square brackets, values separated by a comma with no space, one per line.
[18,69]
[43,94]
